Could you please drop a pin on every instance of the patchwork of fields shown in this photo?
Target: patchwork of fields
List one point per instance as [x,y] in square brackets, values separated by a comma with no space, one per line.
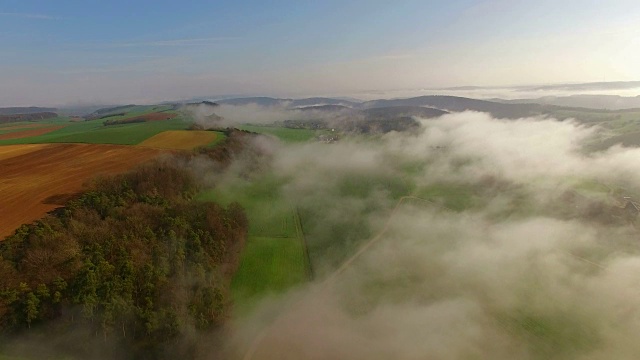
[39,176]
[43,164]
[26,133]
[92,132]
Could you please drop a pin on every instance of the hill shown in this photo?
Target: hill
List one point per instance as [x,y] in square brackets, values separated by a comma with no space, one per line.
[444,103]
[391,112]
[612,102]
[25,110]
[323,108]
[262,101]
[456,104]
[27,117]
[288,103]
[320,101]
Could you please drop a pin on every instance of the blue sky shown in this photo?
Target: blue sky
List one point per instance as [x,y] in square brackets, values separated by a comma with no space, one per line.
[62,52]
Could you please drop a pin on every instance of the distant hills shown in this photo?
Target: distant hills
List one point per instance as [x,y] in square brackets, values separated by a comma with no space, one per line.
[612,102]
[25,110]
[457,104]
[335,110]
[509,109]
[402,111]
[290,103]
[411,106]
[591,86]
[27,117]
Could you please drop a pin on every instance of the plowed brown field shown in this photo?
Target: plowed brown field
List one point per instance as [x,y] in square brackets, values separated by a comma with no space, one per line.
[29,133]
[35,179]
[180,139]
[158,116]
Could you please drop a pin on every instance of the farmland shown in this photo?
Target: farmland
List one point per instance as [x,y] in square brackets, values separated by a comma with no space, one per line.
[38,174]
[311,206]
[28,133]
[285,134]
[182,139]
[19,126]
[274,259]
[38,178]
[94,132]
[147,121]
[268,266]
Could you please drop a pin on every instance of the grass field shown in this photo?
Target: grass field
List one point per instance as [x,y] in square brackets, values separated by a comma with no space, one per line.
[457,197]
[38,178]
[284,134]
[274,258]
[269,265]
[182,139]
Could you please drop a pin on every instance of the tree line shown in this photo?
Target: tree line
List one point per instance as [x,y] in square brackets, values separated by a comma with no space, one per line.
[134,261]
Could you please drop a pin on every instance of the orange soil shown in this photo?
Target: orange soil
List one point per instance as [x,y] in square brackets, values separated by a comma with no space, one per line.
[180,139]
[29,133]
[35,179]
[15,150]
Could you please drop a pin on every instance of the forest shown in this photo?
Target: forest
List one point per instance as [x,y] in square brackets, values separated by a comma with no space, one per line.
[134,262]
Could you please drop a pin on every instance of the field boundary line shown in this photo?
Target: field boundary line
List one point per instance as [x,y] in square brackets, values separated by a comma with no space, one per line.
[305,246]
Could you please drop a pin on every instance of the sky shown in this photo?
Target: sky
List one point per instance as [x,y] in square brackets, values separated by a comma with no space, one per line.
[71,52]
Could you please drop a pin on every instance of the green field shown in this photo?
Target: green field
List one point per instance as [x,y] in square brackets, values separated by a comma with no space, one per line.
[274,258]
[94,132]
[136,110]
[457,197]
[268,266]
[284,134]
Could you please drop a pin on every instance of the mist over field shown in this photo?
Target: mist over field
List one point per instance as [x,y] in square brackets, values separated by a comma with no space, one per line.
[462,236]
[320,180]
[541,262]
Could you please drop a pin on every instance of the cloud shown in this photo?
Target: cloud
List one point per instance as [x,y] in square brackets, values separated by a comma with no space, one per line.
[235,115]
[538,267]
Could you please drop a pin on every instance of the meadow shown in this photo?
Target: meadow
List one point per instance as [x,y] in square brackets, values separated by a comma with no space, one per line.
[274,258]
[286,135]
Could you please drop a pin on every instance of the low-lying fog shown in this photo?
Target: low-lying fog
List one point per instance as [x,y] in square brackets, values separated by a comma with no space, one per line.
[543,265]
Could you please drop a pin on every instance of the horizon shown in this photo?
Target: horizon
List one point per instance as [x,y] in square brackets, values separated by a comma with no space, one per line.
[69,53]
